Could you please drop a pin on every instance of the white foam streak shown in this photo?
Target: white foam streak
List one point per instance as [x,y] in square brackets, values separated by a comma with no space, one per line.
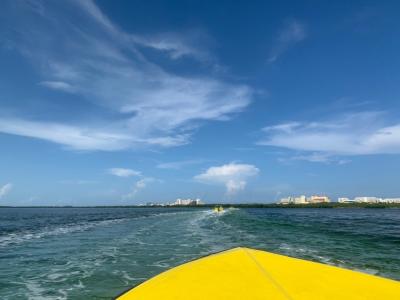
[17,238]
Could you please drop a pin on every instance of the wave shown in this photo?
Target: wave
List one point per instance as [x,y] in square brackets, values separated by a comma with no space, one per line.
[48,231]
[37,292]
[27,235]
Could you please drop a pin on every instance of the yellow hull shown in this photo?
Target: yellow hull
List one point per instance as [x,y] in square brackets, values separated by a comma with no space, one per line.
[218,209]
[244,273]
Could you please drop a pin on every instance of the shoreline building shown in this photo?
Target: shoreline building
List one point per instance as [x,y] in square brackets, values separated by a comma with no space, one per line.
[346,200]
[391,200]
[319,199]
[300,200]
[368,200]
[304,200]
[188,201]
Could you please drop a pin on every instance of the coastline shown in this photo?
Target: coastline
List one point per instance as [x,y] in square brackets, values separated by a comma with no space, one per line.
[234,205]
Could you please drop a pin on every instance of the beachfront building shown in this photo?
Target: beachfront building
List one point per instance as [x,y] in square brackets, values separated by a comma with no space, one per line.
[188,201]
[369,200]
[391,200]
[300,200]
[363,200]
[319,199]
[286,200]
[294,200]
[346,200]
[304,200]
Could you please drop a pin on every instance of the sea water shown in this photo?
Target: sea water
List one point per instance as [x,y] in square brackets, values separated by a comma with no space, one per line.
[96,253]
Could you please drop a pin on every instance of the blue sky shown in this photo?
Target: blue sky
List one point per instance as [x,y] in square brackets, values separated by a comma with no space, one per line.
[126,102]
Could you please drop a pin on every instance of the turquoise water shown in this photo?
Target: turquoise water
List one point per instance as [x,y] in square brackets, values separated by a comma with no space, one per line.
[96,253]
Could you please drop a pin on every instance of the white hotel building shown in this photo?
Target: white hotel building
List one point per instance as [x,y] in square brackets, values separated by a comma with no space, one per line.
[369,200]
[304,200]
[188,201]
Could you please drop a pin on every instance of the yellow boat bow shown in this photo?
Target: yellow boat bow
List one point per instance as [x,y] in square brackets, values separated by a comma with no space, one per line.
[244,273]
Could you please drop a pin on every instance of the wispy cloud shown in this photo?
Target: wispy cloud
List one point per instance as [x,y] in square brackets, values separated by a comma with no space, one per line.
[5,189]
[139,185]
[233,176]
[78,182]
[83,52]
[177,45]
[315,157]
[359,133]
[122,172]
[74,137]
[293,32]
[179,164]
[58,85]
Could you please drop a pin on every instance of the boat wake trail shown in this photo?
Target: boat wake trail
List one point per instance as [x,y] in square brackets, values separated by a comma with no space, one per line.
[28,235]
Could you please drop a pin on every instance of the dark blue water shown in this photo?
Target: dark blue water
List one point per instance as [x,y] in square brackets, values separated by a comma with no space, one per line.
[95,253]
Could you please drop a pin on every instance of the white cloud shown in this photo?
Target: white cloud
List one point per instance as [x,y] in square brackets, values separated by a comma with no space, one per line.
[284,127]
[360,133]
[179,164]
[142,104]
[121,172]
[177,45]
[139,185]
[73,137]
[58,85]
[312,157]
[234,186]
[5,189]
[115,137]
[316,157]
[292,33]
[234,176]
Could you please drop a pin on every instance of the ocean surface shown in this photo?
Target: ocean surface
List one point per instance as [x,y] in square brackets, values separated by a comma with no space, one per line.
[96,253]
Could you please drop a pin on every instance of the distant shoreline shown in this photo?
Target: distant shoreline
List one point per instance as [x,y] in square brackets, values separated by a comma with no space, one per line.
[234,205]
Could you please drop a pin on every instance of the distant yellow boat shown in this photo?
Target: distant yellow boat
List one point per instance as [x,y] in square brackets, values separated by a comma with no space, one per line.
[218,209]
[243,273]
